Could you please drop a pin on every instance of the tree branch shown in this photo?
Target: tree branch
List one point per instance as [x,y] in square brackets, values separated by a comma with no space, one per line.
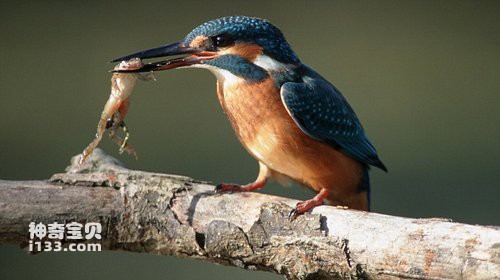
[173,215]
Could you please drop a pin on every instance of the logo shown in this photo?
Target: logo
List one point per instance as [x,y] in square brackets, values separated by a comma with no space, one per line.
[50,237]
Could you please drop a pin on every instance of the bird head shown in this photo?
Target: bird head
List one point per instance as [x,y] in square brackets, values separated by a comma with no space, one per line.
[241,46]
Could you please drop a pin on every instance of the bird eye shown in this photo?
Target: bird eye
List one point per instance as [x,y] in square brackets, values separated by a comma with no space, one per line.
[222,40]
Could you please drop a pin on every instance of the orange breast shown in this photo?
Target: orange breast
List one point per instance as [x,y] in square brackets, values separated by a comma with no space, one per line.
[268,132]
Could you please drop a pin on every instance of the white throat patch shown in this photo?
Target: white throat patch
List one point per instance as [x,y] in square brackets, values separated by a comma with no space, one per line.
[228,79]
[268,63]
[225,77]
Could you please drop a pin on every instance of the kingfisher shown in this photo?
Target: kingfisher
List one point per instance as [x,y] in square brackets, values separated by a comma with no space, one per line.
[295,123]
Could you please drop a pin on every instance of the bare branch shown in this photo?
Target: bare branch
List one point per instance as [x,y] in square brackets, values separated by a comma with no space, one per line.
[173,215]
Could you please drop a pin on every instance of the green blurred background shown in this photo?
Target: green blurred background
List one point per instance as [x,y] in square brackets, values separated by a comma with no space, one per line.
[423,76]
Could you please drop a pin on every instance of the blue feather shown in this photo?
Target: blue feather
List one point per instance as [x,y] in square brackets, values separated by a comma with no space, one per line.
[249,30]
[320,110]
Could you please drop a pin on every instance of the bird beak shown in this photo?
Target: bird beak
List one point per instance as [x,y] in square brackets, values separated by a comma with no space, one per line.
[188,56]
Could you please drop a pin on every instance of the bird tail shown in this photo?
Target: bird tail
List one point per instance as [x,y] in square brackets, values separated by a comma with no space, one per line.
[364,186]
[359,199]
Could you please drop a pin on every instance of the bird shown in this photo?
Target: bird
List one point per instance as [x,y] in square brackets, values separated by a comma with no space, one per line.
[294,122]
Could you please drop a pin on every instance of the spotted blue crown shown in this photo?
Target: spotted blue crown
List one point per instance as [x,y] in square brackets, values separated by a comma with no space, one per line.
[249,30]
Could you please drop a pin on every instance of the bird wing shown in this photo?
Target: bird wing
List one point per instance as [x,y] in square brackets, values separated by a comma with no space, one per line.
[321,112]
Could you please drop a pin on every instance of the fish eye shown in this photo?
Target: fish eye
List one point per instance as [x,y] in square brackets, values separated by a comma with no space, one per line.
[222,40]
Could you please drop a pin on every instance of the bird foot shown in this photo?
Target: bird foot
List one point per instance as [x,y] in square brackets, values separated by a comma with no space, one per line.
[307,205]
[303,207]
[223,187]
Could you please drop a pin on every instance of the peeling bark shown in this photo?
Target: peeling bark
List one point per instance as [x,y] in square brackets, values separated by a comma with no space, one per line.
[173,215]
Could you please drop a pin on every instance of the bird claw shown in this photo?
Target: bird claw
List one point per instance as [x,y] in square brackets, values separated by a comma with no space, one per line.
[299,209]
[293,214]
[304,206]
[222,188]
